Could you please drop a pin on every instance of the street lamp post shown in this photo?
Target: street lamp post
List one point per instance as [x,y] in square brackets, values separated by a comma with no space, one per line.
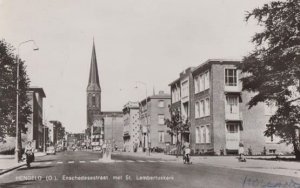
[146,115]
[18,132]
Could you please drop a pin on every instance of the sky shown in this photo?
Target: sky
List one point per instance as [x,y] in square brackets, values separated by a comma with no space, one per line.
[149,41]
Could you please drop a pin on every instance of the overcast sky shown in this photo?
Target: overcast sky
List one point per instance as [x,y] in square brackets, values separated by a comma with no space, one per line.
[136,40]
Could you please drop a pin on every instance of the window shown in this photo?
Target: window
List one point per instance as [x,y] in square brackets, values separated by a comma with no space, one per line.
[197,109]
[197,135]
[202,134]
[207,135]
[232,128]
[206,80]
[207,107]
[201,82]
[161,119]
[161,137]
[232,105]
[230,77]
[202,108]
[161,104]
[185,88]
[93,100]
[196,84]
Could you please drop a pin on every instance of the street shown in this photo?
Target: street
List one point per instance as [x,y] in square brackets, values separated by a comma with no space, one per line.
[82,169]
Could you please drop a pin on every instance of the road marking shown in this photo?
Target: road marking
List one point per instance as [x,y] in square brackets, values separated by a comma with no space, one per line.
[59,162]
[37,163]
[140,161]
[81,161]
[70,161]
[161,161]
[129,160]
[94,161]
[118,161]
[48,162]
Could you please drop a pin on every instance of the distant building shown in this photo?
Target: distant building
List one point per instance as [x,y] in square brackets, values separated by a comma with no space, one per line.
[75,139]
[35,129]
[56,133]
[131,128]
[153,111]
[211,97]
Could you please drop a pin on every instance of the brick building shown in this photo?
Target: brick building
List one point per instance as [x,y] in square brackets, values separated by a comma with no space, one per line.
[218,111]
[131,129]
[153,111]
[35,129]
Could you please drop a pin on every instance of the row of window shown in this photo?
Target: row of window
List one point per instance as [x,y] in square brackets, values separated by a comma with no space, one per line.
[201,82]
[202,108]
[202,134]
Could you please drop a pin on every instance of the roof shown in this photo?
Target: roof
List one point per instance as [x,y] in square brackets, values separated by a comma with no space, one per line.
[94,83]
[39,90]
[158,96]
[216,61]
[112,113]
[175,81]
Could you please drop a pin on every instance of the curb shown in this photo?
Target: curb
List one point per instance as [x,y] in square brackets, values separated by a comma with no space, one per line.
[12,168]
[15,167]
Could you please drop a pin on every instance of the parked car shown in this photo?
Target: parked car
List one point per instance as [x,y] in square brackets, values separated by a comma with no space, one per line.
[51,150]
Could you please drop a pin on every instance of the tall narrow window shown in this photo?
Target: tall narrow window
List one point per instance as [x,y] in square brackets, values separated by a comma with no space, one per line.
[230,77]
[196,84]
[232,105]
[202,134]
[202,108]
[197,109]
[161,136]
[201,80]
[207,107]
[206,80]
[94,100]
[207,136]
[197,135]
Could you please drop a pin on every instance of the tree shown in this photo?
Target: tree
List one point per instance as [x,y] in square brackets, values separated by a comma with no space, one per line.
[272,70]
[177,125]
[8,91]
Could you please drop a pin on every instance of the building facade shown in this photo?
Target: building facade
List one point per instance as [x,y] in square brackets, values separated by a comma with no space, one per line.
[153,112]
[35,129]
[131,129]
[219,115]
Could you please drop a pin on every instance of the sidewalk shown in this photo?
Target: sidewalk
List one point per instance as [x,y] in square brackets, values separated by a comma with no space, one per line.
[287,168]
[8,163]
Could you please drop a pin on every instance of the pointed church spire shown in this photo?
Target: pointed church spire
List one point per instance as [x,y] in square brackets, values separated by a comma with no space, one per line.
[94,83]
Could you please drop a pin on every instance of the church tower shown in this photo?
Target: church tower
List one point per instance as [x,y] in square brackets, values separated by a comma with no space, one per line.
[93,91]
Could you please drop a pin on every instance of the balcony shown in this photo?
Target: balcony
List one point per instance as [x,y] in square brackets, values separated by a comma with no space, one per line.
[233,89]
[236,117]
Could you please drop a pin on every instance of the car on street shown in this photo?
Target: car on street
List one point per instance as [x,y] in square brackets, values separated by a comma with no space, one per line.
[51,150]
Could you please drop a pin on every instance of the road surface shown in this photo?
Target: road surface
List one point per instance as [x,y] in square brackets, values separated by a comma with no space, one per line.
[82,169]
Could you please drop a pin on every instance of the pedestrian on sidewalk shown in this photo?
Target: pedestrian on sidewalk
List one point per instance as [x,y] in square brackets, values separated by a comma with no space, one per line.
[241,152]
